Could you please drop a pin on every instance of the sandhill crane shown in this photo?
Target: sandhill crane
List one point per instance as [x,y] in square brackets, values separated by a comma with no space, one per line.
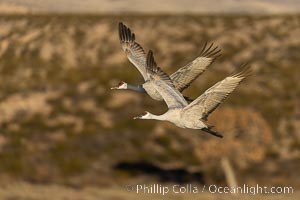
[194,115]
[182,78]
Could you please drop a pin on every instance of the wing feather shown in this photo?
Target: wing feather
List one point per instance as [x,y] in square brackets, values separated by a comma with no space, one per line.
[214,96]
[134,51]
[163,84]
[183,77]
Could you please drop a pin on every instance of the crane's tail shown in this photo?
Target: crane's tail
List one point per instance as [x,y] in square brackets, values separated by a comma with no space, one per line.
[208,130]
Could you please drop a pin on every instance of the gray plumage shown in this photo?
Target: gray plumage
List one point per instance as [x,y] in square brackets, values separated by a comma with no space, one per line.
[181,79]
[134,52]
[193,115]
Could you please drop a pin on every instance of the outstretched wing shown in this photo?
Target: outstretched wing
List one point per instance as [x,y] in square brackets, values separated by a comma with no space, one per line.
[214,96]
[135,53]
[183,77]
[163,84]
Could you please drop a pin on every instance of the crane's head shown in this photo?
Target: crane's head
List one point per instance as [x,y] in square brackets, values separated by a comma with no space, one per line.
[121,86]
[145,115]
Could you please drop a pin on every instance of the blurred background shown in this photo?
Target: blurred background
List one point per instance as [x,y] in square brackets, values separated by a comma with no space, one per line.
[65,135]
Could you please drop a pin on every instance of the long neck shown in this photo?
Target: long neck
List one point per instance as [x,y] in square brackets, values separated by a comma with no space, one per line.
[138,88]
[158,117]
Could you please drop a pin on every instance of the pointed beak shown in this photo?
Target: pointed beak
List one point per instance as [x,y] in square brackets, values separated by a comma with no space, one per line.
[113,88]
[138,117]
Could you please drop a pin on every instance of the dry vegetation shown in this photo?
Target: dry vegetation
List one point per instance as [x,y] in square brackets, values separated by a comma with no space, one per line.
[61,124]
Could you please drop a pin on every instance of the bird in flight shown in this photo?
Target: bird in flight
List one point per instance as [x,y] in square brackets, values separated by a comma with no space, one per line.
[195,114]
[181,79]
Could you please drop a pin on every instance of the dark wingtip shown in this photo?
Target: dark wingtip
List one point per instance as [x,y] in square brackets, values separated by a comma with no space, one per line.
[150,59]
[125,33]
[245,70]
[120,31]
[150,53]
[151,66]
[211,51]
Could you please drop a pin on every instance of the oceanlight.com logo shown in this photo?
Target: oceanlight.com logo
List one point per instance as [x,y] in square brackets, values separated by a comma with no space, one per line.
[252,190]
[213,189]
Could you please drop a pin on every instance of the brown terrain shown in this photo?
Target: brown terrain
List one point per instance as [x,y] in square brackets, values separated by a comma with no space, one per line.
[64,132]
[157,6]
